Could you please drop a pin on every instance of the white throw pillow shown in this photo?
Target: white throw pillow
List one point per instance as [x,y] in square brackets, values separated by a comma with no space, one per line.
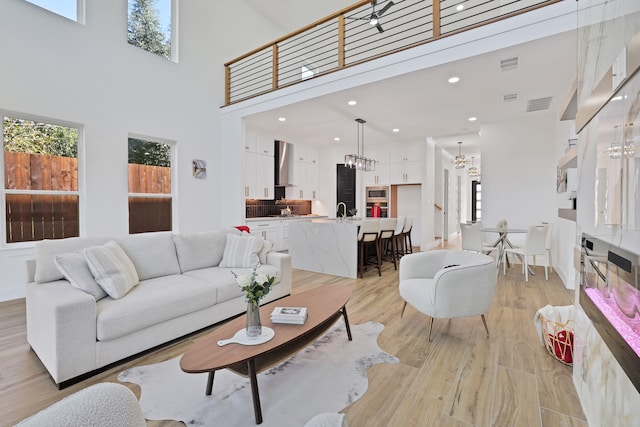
[112,269]
[266,248]
[241,251]
[75,269]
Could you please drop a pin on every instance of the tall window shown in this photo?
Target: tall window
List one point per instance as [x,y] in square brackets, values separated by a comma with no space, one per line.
[476,201]
[40,192]
[149,186]
[67,8]
[150,26]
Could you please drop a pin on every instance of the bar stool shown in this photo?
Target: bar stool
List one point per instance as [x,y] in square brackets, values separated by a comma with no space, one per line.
[406,233]
[398,237]
[369,235]
[387,241]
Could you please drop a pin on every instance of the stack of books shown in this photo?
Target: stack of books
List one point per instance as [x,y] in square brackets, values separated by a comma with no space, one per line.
[293,315]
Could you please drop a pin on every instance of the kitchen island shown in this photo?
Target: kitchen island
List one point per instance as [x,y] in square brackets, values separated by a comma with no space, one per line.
[327,246]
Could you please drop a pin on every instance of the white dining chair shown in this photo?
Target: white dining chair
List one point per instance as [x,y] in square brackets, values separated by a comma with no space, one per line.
[535,244]
[472,239]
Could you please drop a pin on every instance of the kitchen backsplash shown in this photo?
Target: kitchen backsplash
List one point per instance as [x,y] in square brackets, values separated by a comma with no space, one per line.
[263,208]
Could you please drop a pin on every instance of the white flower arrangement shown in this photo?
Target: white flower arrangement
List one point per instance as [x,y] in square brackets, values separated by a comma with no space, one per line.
[255,285]
[502,225]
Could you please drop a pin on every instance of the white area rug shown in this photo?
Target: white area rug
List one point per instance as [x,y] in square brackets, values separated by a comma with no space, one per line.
[327,376]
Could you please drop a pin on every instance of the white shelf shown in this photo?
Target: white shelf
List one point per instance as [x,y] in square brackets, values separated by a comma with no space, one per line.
[569,159]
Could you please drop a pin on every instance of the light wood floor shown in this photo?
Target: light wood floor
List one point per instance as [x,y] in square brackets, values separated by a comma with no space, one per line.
[461,378]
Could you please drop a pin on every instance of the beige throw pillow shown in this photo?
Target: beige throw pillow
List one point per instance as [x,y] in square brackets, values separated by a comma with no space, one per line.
[112,269]
[241,251]
[75,269]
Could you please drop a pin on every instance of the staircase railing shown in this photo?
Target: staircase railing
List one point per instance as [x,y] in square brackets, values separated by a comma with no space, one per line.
[347,38]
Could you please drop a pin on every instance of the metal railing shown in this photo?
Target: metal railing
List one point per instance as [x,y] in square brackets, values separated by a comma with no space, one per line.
[347,38]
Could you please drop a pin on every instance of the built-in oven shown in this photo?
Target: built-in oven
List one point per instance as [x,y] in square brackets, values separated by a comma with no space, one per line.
[377,200]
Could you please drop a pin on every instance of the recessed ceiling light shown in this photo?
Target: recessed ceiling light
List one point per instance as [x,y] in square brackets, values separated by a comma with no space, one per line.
[336,139]
[617,98]
[352,102]
[472,119]
[454,79]
[282,119]
[396,130]
[459,7]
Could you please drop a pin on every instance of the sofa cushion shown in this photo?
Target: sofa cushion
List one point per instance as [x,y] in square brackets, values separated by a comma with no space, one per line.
[201,250]
[46,250]
[241,251]
[225,282]
[153,254]
[75,269]
[112,268]
[152,302]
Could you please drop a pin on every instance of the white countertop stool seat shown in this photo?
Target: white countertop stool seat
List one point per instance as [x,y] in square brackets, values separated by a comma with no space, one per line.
[387,240]
[406,235]
[368,237]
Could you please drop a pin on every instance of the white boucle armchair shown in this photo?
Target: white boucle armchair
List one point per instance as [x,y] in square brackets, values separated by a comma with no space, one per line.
[447,284]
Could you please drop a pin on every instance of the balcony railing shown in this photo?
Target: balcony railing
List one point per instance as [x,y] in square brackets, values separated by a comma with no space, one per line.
[347,38]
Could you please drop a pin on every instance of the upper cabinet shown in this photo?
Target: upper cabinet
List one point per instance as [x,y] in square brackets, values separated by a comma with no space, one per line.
[406,164]
[259,167]
[306,173]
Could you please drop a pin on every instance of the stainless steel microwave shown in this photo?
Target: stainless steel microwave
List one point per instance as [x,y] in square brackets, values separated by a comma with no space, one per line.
[377,194]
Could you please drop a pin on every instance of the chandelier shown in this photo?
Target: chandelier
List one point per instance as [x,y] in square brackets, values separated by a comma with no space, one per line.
[474,172]
[460,162]
[359,161]
[619,147]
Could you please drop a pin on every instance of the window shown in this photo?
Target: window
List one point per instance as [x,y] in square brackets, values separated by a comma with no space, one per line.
[150,26]
[476,201]
[40,191]
[149,186]
[67,8]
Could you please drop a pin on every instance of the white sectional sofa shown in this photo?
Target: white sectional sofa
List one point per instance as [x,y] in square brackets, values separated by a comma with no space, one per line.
[181,288]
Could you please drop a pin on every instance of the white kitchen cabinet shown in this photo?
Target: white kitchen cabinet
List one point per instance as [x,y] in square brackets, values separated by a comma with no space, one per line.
[283,236]
[406,172]
[406,163]
[268,230]
[306,174]
[265,146]
[259,167]
[409,152]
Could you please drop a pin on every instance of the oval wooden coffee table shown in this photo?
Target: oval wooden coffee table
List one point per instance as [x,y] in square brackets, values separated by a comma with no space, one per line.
[324,305]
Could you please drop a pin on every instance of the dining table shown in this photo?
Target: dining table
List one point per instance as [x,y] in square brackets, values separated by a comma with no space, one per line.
[503,241]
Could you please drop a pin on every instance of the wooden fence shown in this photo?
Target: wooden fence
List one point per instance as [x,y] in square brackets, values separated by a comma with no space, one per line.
[31,217]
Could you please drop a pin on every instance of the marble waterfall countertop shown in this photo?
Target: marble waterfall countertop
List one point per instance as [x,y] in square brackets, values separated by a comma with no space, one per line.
[326,245]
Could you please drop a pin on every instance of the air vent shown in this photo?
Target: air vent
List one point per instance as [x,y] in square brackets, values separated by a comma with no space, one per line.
[509,64]
[539,104]
[510,97]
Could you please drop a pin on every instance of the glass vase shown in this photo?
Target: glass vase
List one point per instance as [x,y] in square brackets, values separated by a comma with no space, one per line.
[254,327]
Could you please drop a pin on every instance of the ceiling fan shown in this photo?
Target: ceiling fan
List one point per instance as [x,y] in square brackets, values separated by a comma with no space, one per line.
[374,18]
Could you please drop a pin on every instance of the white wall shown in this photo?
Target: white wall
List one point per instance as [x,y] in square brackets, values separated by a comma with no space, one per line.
[519,172]
[88,74]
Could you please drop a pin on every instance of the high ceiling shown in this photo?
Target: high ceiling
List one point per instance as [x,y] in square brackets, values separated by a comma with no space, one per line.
[423,104]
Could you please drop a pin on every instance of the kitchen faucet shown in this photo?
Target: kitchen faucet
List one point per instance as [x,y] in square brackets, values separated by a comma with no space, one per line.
[344,212]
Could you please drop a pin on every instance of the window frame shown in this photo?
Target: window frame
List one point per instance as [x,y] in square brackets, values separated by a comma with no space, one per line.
[173,174]
[80,10]
[173,39]
[5,191]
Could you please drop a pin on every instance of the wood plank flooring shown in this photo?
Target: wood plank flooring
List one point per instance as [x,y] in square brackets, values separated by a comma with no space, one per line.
[462,378]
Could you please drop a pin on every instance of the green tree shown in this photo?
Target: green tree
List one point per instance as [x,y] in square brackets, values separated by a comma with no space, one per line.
[144,28]
[27,136]
[150,153]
